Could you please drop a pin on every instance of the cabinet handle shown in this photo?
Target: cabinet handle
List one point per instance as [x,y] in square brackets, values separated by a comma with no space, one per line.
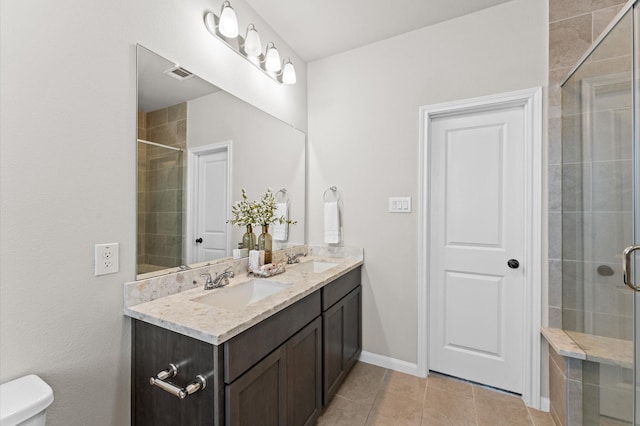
[197,384]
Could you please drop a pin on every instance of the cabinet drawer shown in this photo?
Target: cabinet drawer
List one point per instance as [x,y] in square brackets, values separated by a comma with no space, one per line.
[250,346]
[336,290]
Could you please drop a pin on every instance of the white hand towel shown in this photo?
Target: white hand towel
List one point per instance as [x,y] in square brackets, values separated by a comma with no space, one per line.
[331,223]
[281,230]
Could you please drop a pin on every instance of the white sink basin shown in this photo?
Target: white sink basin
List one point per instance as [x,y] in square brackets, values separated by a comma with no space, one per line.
[315,266]
[242,295]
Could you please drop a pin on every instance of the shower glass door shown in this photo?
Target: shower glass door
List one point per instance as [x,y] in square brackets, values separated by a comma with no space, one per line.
[598,223]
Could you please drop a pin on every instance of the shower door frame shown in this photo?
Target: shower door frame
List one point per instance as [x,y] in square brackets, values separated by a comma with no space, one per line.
[635,190]
[633,6]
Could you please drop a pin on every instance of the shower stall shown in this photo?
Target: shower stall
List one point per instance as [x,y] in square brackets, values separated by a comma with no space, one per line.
[601,218]
[161,170]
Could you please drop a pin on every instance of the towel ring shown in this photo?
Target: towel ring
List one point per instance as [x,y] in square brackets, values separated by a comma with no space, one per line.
[334,191]
[282,196]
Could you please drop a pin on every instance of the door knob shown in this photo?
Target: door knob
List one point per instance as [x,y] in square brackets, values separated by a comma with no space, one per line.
[513,263]
[199,240]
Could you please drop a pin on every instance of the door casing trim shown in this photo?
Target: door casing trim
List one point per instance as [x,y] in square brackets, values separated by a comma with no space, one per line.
[531,101]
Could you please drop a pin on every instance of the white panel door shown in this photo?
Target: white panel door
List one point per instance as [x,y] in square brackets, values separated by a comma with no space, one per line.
[476,227]
[211,193]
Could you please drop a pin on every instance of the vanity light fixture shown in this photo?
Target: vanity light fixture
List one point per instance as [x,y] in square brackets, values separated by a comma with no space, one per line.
[288,72]
[249,47]
[272,58]
[252,43]
[228,25]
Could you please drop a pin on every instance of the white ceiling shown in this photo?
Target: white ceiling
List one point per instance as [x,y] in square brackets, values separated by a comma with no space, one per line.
[157,90]
[319,28]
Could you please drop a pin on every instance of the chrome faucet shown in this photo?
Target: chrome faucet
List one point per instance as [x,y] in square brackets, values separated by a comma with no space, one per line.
[208,284]
[294,258]
[219,281]
[224,277]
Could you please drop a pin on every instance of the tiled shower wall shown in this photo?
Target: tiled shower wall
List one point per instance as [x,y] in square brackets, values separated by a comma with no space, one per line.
[160,188]
[573,26]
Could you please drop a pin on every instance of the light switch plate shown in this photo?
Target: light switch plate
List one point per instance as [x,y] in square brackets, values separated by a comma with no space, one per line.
[107,257]
[399,204]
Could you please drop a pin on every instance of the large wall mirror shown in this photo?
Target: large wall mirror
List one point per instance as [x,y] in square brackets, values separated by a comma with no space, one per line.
[198,146]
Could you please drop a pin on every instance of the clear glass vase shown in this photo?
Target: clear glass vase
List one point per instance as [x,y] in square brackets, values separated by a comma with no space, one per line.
[265,242]
[249,239]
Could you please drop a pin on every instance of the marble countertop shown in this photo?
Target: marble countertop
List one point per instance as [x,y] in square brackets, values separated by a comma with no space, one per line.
[180,312]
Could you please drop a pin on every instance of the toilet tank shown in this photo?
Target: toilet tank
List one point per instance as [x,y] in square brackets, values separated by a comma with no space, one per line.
[24,401]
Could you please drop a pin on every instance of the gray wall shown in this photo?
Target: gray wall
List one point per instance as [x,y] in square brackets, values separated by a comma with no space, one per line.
[364,133]
[67,179]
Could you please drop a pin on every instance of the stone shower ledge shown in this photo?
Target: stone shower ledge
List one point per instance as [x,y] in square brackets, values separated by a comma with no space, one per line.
[603,350]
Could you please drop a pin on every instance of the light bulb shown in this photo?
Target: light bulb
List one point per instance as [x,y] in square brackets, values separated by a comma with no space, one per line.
[228,25]
[272,58]
[288,73]
[252,43]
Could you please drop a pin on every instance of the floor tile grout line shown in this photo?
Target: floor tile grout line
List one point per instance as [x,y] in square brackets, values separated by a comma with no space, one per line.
[475,405]
[375,398]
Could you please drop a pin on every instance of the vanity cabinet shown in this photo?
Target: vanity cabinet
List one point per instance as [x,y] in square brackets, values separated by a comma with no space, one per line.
[342,330]
[282,389]
[278,372]
[273,370]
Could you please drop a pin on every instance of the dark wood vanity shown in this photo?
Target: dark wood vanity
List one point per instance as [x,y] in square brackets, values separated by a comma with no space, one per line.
[281,371]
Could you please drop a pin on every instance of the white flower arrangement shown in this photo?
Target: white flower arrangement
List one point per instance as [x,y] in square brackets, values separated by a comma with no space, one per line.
[261,212]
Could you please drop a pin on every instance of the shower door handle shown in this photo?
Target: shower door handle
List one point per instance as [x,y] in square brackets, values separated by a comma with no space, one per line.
[627,269]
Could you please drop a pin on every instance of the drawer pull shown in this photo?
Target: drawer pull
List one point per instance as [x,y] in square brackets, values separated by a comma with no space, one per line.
[197,384]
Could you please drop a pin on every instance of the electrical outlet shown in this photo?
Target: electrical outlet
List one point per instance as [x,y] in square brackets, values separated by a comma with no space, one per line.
[107,258]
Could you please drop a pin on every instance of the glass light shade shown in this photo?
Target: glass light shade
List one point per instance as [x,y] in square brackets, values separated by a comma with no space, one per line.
[228,25]
[288,73]
[252,43]
[272,58]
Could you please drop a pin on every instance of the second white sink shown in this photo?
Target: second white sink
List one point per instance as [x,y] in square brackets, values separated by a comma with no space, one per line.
[315,266]
[242,295]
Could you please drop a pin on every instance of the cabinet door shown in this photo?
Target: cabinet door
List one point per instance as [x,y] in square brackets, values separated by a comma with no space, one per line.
[342,341]
[258,397]
[153,349]
[352,328]
[304,375]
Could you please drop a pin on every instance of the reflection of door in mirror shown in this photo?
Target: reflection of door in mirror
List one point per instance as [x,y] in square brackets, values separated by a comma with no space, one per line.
[210,177]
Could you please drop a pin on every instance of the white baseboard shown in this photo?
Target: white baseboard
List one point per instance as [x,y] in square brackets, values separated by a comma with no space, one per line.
[390,363]
[545,404]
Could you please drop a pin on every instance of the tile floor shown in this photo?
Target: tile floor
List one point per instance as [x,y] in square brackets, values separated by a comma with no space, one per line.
[373,395]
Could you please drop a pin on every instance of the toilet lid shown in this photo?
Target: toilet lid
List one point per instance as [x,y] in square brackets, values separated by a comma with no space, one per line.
[23,398]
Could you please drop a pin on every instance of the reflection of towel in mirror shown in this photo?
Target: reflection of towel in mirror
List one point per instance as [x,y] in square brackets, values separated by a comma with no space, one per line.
[331,223]
[281,230]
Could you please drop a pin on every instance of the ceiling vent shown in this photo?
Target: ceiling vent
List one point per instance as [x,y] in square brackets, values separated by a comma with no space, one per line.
[178,73]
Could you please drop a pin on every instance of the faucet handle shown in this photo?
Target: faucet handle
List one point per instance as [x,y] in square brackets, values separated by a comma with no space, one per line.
[208,284]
